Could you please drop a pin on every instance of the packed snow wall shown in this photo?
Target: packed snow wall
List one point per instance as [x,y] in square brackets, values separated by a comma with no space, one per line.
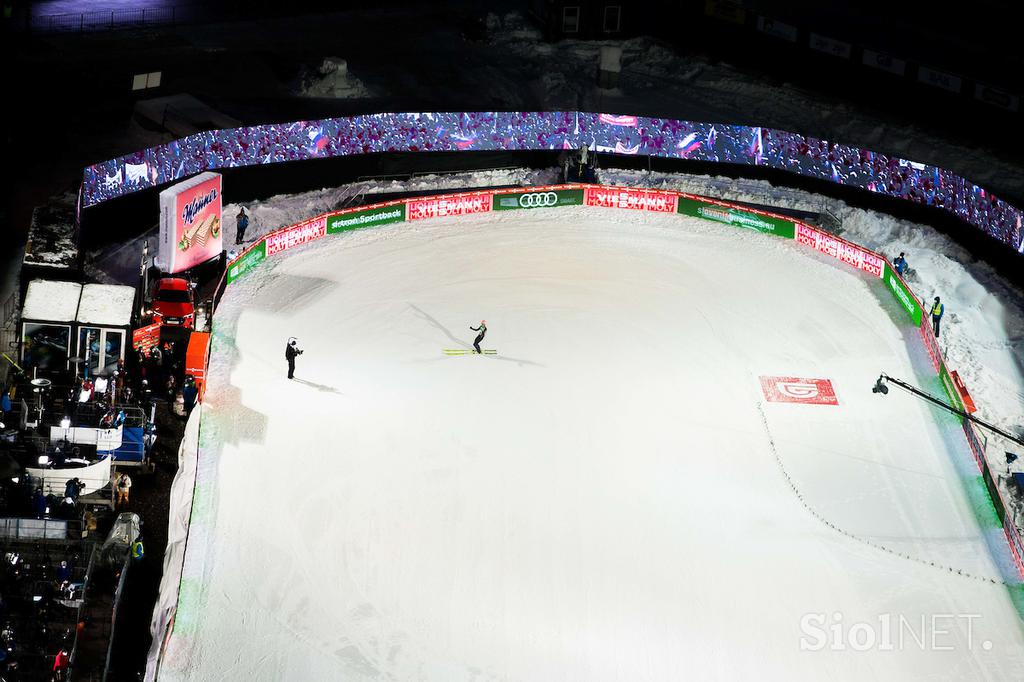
[625,135]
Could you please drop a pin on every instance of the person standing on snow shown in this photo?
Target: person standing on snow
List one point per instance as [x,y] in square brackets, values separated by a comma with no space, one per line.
[479,337]
[241,223]
[291,351]
[937,310]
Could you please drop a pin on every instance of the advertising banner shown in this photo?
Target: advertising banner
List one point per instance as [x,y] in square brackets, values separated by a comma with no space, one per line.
[939,79]
[545,199]
[439,207]
[737,217]
[368,217]
[836,48]
[190,223]
[247,261]
[304,232]
[856,256]
[633,199]
[903,294]
[798,390]
[147,336]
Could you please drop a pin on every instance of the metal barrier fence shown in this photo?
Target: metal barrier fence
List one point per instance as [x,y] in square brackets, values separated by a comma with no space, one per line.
[86,22]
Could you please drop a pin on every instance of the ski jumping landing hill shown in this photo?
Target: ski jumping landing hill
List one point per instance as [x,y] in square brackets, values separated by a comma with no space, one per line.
[607,498]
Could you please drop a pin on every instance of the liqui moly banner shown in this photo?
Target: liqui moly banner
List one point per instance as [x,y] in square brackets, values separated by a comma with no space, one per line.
[856,256]
[190,223]
[635,199]
[440,207]
[308,231]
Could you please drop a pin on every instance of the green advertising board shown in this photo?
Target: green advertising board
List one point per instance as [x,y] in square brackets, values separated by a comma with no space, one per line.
[947,383]
[510,201]
[902,294]
[370,217]
[253,257]
[737,217]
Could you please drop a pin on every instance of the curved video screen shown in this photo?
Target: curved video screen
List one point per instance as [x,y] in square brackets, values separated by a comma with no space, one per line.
[525,131]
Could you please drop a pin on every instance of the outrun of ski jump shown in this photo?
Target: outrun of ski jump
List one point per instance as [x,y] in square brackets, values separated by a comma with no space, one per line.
[609,495]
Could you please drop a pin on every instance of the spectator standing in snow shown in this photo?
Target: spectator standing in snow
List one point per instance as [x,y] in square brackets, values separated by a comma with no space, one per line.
[241,223]
[189,393]
[900,264]
[937,310]
[291,351]
[124,486]
[479,337]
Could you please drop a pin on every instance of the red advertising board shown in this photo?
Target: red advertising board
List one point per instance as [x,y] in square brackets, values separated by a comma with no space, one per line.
[308,231]
[635,199]
[439,207]
[195,358]
[855,255]
[798,390]
[190,222]
[961,388]
[147,336]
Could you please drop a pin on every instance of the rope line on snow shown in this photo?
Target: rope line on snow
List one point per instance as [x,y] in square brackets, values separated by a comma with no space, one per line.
[862,540]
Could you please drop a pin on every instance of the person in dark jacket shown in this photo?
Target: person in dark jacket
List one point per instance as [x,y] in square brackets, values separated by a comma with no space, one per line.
[479,337]
[241,223]
[937,311]
[900,264]
[189,393]
[292,351]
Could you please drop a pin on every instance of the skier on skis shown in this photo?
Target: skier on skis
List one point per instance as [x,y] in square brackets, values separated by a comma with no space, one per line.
[479,337]
[291,351]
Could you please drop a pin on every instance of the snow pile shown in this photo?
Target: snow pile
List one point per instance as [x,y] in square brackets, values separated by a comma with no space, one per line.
[106,304]
[282,210]
[51,236]
[332,79]
[51,301]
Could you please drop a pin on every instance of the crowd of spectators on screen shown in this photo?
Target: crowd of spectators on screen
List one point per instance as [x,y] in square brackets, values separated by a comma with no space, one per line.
[516,131]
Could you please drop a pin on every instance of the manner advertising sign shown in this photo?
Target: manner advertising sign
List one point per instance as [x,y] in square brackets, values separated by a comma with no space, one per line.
[543,199]
[798,390]
[856,256]
[190,223]
[633,199]
[351,220]
[734,216]
[295,235]
[439,207]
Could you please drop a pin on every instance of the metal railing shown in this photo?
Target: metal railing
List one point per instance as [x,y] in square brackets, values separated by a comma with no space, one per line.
[117,19]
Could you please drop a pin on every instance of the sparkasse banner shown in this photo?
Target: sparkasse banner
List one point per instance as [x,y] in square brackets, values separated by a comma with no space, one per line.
[439,207]
[351,220]
[541,199]
[634,199]
[302,233]
[737,217]
[190,223]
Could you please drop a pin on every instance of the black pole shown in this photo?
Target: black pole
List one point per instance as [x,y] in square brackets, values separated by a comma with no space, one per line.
[918,392]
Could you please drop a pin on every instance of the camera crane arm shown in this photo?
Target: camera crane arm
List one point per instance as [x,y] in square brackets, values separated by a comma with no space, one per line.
[880,387]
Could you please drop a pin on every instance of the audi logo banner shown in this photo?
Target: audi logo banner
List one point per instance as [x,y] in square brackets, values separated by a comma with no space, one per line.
[548,199]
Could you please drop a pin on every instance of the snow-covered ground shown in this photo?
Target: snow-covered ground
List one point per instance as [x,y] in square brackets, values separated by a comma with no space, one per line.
[609,497]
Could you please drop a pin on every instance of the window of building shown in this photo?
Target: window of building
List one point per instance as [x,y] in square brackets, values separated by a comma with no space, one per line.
[612,18]
[571,19]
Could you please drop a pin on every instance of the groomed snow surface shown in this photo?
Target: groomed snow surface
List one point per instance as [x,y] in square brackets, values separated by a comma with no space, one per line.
[607,497]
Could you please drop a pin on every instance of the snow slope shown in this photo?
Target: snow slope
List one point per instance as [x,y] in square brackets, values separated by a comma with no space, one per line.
[608,498]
